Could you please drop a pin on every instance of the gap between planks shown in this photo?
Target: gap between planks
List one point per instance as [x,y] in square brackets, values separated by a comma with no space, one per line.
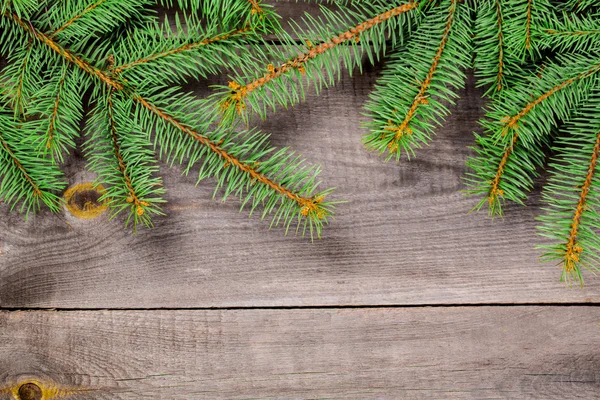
[311,307]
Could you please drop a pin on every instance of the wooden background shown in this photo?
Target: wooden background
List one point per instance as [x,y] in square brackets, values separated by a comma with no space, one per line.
[406,296]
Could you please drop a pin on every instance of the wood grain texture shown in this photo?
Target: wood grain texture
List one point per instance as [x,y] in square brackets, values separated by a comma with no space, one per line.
[449,353]
[404,237]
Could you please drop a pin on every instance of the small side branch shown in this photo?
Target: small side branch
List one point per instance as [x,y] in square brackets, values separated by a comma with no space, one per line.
[133,198]
[76,17]
[36,189]
[421,98]
[54,115]
[66,54]
[186,47]
[573,249]
[499,77]
[528,26]
[511,122]
[307,204]
[297,63]
[495,191]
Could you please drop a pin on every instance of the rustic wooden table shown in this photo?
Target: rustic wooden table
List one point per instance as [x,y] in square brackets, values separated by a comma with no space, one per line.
[406,296]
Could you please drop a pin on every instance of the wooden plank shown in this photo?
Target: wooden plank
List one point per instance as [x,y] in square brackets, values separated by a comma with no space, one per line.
[459,352]
[405,237]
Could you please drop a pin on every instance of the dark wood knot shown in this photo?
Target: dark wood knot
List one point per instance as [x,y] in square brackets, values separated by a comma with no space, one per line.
[83,200]
[30,391]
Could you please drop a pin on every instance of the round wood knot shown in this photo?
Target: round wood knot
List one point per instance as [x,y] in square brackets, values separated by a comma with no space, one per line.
[83,200]
[30,391]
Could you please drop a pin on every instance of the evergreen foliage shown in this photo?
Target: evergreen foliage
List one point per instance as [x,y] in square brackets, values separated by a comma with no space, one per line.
[538,60]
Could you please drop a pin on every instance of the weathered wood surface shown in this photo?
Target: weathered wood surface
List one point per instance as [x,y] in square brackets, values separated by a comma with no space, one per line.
[405,237]
[433,353]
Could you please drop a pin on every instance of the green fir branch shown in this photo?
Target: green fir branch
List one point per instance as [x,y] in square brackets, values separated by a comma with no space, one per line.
[243,164]
[77,20]
[572,196]
[572,33]
[409,101]
[523,20]
[59,103]
[517,126]
[26,178]
[241,168]
[115,140]
[190,51]
[329,42]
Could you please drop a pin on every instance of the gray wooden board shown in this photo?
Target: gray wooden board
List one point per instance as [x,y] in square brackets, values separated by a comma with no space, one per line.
[404,237]
[458,352]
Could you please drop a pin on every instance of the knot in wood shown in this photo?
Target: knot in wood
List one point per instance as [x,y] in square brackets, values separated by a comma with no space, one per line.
[30,391]
[83,200]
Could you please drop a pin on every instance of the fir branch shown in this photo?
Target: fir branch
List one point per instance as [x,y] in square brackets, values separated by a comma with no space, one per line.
[241,162]
[511,122]
[235,98]
[571,33]
[307,204]
[523,20]
[492,68]
[80,20]
[572,196]
[182,48]
[50,134]
[66,54]
[15,161]
[311,211]
[26,178]
[115,140]
[420,98]
[77,16]
[59,103]
[18,98]
[404,114]
[19,87]
[517,120]
[572,254]
[528,26]
[189,51]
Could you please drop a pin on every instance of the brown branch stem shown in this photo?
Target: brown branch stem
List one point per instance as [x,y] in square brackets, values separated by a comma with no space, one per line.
[500,46]
[528,26]
[307,203]
[54,115]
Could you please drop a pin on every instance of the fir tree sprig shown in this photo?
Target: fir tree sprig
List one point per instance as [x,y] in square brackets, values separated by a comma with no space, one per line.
[522,18]
[28,179]
[116,140]
[344,36]
[192,50]
[518,124]
[571,33]
[572,196]
[60,100]
[250,169]
[407,103]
